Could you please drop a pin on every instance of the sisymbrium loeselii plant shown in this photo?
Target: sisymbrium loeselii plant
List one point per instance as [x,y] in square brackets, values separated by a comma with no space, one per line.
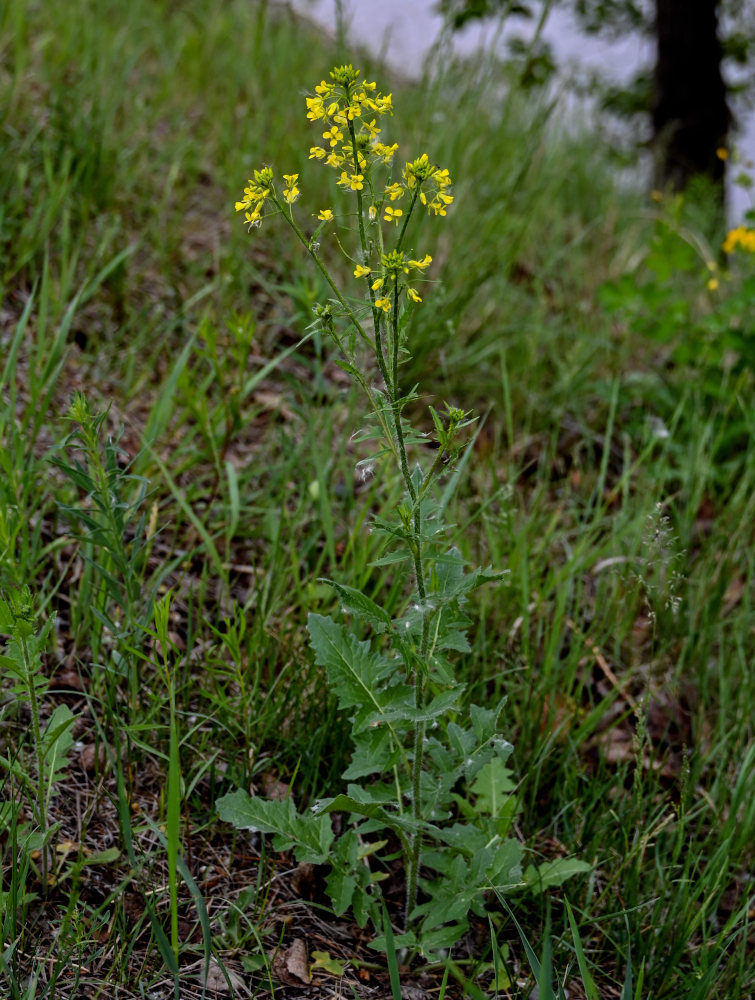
[428,782]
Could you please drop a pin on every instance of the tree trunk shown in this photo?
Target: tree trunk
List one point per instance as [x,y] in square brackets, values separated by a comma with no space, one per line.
[690,115]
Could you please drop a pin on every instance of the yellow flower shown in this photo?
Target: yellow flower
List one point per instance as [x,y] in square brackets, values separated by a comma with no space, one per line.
[360,271]
[383,304]
[352,182]
[371,128]
[713,284]
[395,191]
[325,215]
[315,108]
[741,237]
[385,153]
[372,212]
[376,284]
[722,153]
[413,295]
[291,191]
[317,153]
[392,214]
[333,135]
[422,264]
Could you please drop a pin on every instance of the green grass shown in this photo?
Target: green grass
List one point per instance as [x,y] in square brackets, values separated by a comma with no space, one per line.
[224,467]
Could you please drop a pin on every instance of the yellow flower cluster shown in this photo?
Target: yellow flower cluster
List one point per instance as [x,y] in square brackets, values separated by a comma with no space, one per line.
[393,265]
[432,182]
[740,238]
[339,103]
[255,194]
[348,109]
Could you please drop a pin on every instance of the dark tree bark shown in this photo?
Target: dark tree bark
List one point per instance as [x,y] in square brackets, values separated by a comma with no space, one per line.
[691,118]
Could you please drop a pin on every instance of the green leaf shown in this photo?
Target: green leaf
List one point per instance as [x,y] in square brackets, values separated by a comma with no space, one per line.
[505,870]
[57,740]
[340,887]
[374,753]
[106,857]
[587,980]
[354,602]
[403,710]
[492,786]
[554,873]
[322,960]
[354,671]
[311,836]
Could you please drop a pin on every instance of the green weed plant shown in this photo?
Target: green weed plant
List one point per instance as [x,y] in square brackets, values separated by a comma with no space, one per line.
[428,787]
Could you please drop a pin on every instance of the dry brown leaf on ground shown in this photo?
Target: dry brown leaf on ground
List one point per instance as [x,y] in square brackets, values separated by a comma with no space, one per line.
[290,965]
[223,981]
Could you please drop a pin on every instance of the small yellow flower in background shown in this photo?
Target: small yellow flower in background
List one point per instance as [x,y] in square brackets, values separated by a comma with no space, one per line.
[713,284]
[411,292]
[334,135]
[324,89]
[740,238]
[371,128]
[384,304]
[377,284]
[656,195]
[325,215]
[722,153]
[360,271]
[335,160]
[395,191]
[317,153]
[392,214]
[372,212]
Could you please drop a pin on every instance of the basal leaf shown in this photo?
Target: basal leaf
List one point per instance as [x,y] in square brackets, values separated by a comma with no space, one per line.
[551,874]
[310,835]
